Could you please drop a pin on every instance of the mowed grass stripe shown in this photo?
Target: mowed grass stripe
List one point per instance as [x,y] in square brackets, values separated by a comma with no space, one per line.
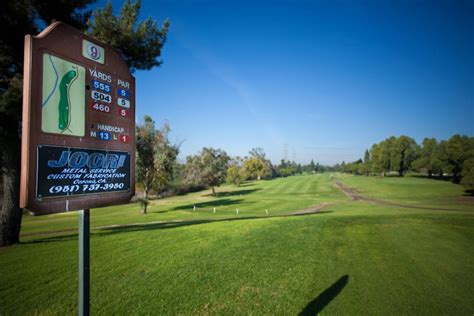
[279,186]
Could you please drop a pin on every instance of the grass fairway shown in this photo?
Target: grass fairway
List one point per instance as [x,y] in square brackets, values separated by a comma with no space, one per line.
[354,257]
[278,196]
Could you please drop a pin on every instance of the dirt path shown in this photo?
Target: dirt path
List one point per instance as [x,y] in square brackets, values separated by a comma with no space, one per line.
[313,209]
[348,191]
[355,196]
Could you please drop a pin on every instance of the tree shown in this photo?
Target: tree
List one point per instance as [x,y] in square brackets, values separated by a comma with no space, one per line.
[393,154]
[312,166]
[468,175]
[354,167]
[146,149]
[257,152]
[165,159]
[319,167]
[235,172]
[403,153]
[256,168]
[208,168]
[442,157]
[429,159]
[141,45]
[387,154]
[156,157]
[287,168]
[234,175]
[366,165]
[381,156]
[458,150]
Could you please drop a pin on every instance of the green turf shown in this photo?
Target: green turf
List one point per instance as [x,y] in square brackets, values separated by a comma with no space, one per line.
[278,196]
[411,190]
[352,258]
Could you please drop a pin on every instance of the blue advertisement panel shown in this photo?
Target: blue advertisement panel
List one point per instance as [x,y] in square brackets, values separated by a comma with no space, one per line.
[65,171]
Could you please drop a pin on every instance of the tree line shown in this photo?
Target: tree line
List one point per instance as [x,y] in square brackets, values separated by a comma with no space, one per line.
[453,158]
[159,171]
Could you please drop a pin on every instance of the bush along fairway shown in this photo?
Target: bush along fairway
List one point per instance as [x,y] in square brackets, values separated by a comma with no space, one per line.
[401,246]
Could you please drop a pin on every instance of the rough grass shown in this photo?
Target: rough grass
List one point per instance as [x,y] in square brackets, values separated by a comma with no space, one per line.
[411,190]
[352,258]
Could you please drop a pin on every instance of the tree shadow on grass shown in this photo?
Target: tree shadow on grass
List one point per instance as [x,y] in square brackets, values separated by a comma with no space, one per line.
[433,177]
[207,204]
[469,193]
[157,212]
[322,300]
[67,237]
[112,230]
[233,193]
[176,224]
[304,214]
[247,184]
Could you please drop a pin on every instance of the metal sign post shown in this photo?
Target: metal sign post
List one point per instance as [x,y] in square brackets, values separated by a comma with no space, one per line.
[84,268]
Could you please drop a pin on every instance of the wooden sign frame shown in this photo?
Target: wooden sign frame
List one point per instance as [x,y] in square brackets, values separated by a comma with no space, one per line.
[78,132]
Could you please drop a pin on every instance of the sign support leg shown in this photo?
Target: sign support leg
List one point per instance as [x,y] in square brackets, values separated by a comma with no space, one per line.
[84,254]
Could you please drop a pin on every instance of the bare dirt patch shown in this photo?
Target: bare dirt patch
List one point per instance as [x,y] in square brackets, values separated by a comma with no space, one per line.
[348,191]
[313,209]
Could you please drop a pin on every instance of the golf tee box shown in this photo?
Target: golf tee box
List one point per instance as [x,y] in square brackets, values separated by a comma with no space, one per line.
[78,132]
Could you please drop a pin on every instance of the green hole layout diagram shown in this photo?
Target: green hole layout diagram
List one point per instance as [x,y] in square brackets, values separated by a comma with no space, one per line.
[63,102]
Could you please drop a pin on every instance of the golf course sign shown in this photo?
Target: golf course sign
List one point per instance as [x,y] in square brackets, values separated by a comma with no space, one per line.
[78,144]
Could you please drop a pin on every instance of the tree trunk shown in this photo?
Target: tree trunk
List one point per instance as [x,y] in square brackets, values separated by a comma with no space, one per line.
[456,177]
[145,189]
[10,213]
[213,191]
[401,168]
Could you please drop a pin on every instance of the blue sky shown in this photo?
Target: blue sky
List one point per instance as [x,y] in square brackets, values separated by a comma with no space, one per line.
[323,79]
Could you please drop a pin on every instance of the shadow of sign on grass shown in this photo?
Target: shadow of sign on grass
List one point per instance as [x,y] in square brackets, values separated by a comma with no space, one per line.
[322,300]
